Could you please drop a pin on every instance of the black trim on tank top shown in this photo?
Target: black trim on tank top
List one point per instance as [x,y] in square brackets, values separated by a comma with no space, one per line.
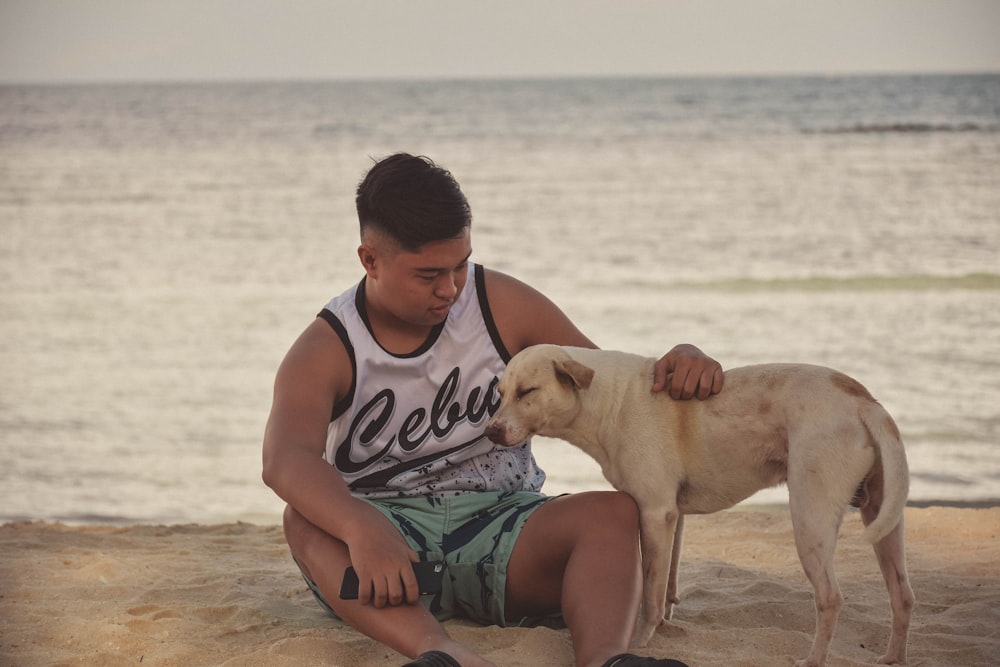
[484,306]
[359,303]
[341,406]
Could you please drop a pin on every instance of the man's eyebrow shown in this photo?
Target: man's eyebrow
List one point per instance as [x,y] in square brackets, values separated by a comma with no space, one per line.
[436,269]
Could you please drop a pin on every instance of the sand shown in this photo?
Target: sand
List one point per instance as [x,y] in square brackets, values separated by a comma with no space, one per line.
[229,595]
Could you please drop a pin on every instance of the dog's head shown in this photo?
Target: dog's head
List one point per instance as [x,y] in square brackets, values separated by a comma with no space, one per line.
[539,394]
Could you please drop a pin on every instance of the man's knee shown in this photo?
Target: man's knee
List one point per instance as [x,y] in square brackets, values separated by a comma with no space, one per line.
[291,521]
[625,508]
[614,510]
[607,517]
[310,546]
[298,531]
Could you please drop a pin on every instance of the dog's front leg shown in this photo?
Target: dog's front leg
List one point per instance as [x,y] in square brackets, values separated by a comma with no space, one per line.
[675,561]
[656,536]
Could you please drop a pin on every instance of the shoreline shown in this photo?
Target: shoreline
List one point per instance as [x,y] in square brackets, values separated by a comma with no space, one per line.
[229,594]
[119,522]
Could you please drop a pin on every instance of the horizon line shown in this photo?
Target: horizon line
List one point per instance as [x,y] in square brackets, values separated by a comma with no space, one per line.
[415,78]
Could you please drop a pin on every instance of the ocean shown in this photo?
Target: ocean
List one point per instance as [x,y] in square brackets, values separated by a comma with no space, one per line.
[161,246]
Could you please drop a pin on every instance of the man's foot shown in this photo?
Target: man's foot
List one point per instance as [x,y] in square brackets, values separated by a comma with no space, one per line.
[629,660]
[433,659]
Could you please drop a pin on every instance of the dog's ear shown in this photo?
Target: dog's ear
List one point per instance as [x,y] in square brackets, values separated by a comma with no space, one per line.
[571,371]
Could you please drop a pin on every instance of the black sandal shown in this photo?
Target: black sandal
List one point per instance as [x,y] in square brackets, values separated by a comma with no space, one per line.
[433,659]
[629,660]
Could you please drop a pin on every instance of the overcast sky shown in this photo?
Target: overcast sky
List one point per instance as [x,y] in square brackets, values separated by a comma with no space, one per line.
[155,40]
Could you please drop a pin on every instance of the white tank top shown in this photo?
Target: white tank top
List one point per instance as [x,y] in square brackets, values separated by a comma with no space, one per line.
[414,424]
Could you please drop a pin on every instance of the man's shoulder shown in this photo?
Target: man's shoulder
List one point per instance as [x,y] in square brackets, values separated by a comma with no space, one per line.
[324,336]
[318,362]
[503,284]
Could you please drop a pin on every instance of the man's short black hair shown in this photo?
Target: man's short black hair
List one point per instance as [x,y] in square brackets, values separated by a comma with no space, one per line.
[413,201]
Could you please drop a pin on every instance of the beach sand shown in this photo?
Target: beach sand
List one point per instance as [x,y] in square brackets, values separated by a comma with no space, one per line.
[230,595]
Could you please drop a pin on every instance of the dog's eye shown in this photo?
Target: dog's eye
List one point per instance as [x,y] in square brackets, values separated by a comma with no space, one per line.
[521,393]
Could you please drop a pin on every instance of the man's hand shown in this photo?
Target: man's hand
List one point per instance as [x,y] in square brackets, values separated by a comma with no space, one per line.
[686,372]
[383,561]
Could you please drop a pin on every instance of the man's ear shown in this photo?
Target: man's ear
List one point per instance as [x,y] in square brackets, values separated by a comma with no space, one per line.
[571,371]
[368,257]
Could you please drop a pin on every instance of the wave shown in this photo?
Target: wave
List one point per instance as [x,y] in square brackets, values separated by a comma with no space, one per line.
[904,128]
[971,281]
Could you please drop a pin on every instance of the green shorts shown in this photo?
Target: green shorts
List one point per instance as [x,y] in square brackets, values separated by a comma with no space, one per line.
[474,534]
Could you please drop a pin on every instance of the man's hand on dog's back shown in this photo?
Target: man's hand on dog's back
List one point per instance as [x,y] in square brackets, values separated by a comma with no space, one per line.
[686,372]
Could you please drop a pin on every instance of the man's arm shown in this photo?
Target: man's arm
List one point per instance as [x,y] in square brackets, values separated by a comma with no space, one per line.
[525,317]
[315,373]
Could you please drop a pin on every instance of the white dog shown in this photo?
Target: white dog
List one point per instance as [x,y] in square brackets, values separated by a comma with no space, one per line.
[814,428]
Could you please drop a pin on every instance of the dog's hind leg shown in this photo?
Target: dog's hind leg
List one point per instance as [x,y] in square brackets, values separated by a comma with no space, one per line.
[892,562]
[816,523]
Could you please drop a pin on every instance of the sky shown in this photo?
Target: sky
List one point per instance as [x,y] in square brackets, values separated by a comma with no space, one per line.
[69,41]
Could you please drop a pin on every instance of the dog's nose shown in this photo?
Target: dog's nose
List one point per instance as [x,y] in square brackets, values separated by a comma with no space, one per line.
[494,432]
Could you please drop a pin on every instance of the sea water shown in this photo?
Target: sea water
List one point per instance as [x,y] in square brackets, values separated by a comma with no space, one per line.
[161,246]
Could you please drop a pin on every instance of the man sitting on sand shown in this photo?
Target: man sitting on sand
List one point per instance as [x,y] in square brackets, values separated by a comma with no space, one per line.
[376,442]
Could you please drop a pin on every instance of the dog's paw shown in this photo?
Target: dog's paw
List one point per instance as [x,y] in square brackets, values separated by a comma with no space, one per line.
[671,629]
[643,633]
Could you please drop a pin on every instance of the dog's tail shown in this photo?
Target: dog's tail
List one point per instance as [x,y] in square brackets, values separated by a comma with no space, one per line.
[895,472]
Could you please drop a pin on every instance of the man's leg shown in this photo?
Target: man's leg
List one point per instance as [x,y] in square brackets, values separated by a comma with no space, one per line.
[580,553]
[408,629]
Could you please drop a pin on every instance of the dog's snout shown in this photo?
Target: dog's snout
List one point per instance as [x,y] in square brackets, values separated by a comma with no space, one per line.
[494,432]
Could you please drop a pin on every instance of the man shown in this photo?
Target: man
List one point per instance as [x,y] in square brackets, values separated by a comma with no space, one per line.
[376,442]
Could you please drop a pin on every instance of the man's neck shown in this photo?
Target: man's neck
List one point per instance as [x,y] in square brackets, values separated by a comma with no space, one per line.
[394,335]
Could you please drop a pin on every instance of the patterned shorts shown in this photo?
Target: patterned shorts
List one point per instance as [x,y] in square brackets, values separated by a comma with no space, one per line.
[474,534]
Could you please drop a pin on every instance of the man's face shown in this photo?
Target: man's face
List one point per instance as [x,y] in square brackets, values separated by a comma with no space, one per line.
[417,288]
